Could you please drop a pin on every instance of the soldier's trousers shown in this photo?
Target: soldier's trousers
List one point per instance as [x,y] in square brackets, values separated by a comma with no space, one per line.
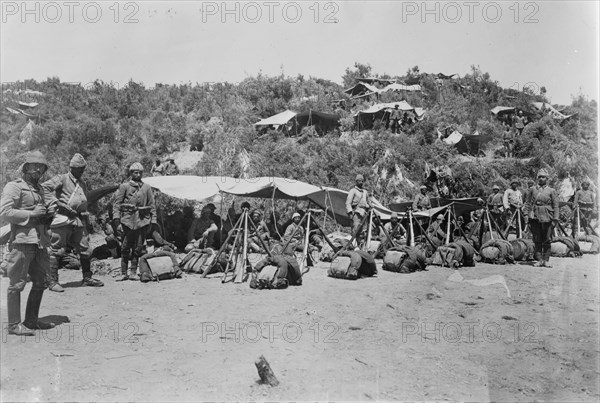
[132,246]
[542,237]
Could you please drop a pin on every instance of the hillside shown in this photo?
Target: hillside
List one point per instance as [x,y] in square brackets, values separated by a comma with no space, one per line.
[113,126]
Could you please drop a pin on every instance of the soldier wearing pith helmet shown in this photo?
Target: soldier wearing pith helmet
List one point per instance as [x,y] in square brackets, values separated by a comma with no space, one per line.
[28,208]
[69,227]
[134,209]
[541,210]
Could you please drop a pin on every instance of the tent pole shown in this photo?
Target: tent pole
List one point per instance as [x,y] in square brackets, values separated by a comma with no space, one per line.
[412,229]
[448,225]
[369,230]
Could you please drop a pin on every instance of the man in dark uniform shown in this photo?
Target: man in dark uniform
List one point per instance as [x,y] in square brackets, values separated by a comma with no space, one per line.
[496,205]
[69,228]
[422,201]
[395,117]
[541,209]
[585,200]
[28,209]
[135,211]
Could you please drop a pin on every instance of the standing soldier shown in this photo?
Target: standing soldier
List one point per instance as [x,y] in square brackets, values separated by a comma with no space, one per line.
[357,204]
[496,205]
[512,200]
[69,227]
[395,117]
[585,200]
[541,209]
[422,201]
[135,211]
[23,206]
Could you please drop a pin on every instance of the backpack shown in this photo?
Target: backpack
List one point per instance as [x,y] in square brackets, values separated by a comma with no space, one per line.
[159,265]
[276,272]
[468,250]
[523,249]
[351,265]
[589,243]
[404,259]
[497,251]
[563,246]
[450,255]
[197,260]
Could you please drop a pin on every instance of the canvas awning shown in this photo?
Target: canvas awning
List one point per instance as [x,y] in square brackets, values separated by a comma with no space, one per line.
[402,105]
[189,187]
[277,120]
[401,87]
[550,110]
[361,88]
[502,109]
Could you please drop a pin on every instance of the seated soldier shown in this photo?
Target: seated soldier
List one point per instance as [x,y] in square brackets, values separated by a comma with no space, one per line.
[201,234]
[436,230]
[395,230]
[261,231]
[294,233]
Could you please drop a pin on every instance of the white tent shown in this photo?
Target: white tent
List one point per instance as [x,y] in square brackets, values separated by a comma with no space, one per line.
[277,120]
[401,87]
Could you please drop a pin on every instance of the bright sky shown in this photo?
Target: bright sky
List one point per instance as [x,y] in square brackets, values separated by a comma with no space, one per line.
[552,44]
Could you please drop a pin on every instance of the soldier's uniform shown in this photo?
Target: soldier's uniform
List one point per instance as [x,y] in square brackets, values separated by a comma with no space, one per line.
[586,201]
[496,206]
[357,204]
[28,255]
[69,228]
[541,208]
[421,202]
[135,208]
[396,231]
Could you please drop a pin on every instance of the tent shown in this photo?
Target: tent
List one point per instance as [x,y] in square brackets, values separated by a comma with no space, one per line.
[501,110]
[550,110]
[453,138]
[401,87]
[365,119]
[461,206]
[442,76]
[373,80]
[322,121]
[190,187]
[277,120]
[361,89]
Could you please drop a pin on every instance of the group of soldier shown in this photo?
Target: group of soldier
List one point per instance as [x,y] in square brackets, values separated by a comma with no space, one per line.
[47,219]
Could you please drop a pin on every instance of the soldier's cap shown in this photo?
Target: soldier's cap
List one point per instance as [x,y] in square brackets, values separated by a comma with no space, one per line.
[77,161]
[35,157]
[359,177]
[542,172]
[295,215]
[394,215]
[515,180]
[585,182]
[245,204]
[480,200]
[423,187]
[440,217]
[256,212]
[496,187]
[136,166]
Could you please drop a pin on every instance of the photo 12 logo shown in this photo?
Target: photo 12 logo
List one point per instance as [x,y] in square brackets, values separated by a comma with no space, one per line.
[469,11]
[53,12]
[269,11]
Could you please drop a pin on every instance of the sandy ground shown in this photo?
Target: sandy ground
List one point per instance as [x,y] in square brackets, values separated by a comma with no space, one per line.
[488,333]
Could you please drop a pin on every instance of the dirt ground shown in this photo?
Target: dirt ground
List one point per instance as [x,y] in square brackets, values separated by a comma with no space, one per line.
[488,333]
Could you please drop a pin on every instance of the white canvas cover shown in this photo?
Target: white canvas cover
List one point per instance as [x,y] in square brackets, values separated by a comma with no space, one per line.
[277,120]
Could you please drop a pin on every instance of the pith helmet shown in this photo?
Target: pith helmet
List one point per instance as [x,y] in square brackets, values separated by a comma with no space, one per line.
[136,166]
[542,172]
[35,157]
[77,161]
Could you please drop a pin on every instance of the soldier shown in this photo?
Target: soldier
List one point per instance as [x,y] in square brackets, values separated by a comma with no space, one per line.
[395,230]
[69,227]
[496,206]
[585,200]
[357,204]
[135,211]
[436,230]
[395,118]
[422,201]
[201,233]
[541,210]
[28,208]
[512,200]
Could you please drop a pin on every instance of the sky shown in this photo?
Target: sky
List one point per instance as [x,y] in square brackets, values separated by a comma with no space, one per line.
[543,43]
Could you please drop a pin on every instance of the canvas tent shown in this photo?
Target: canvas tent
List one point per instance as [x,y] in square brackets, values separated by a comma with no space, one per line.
[401,87]
[365,119]
[293,122]
[362,89]
[550,110]
[373,80]
[501,110]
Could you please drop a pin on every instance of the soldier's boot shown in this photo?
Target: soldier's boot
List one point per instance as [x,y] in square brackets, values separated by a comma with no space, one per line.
[13,305]
[32,311]
[86,270]
[124,264]
[52,275]
[133,269]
